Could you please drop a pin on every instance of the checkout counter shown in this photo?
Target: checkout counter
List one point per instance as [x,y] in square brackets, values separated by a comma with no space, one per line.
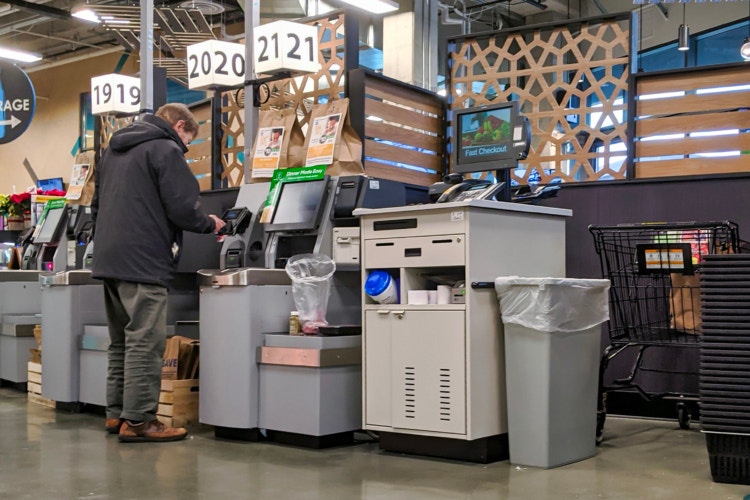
[255,378]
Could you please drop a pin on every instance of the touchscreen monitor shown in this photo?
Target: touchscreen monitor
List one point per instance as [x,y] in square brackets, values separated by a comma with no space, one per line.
[298,206]
[49,232]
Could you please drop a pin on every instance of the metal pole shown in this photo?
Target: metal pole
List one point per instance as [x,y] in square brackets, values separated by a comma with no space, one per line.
[252,19]
[147,56]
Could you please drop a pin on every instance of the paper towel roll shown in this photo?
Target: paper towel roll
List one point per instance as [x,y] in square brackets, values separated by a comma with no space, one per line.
[443,294]
[418,297]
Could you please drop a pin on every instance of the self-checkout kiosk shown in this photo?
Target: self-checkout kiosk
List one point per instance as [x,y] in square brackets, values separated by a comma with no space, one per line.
[49,248]
[434,373]
[254,376]
[71,298]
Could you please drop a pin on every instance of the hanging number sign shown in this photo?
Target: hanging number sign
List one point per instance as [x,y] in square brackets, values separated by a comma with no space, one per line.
[286,46]
[214,63]
[115,93]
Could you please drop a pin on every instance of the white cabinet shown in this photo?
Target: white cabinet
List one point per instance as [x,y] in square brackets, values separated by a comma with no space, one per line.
[438,370]
[416,358]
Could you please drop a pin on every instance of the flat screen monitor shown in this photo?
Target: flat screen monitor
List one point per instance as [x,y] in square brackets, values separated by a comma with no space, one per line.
[492,137]
[298,206]
[50,184]
[53,222]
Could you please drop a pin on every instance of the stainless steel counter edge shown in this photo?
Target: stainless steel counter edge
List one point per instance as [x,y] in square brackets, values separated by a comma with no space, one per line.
[243,277]
[9,275]
[492,205]
[66,278]
[309,358]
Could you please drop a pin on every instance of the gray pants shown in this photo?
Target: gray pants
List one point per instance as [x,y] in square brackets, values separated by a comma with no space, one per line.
[137,320]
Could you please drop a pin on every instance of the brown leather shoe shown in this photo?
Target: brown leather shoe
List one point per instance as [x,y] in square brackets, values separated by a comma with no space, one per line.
[153,431]
[113,425]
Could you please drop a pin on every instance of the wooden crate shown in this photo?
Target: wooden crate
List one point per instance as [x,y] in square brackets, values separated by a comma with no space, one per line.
[178,403]
[34,386]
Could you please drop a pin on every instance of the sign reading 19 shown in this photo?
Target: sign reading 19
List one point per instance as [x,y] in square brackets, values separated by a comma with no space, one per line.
[103,94]
[203,65]
[293,40]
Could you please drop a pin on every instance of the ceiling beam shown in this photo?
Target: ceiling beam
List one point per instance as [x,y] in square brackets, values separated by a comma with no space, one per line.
[40,9]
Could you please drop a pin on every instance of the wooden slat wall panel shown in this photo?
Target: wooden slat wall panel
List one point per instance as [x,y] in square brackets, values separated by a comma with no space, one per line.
[403,116]
[719,112]
[692,166]
[403,95]
[540,66]
[693,103]
[413,122]
[724,77]
[199,149]
[401,155]
[402,135]
[383,171]
[695,123]
[200,167]
[693,145]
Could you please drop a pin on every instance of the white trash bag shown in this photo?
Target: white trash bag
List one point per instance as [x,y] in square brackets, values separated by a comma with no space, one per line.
[553,304]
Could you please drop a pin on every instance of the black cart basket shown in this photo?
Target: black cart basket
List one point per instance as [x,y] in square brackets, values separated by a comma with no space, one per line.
[654,297]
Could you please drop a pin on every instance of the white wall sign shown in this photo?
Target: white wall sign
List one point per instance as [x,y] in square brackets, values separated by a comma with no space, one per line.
[214,63]
[115,93]
[286,46]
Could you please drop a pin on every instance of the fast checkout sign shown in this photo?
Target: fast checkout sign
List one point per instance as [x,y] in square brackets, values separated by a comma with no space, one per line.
[17,102]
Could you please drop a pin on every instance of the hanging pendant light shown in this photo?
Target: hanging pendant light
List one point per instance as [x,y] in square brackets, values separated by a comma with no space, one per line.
[683,33]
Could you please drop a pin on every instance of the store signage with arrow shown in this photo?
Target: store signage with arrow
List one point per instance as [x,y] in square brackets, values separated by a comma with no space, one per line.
[17,102]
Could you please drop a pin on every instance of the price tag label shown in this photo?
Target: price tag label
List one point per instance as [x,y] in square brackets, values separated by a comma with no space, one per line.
[214,63]
[115,94]
[286,46]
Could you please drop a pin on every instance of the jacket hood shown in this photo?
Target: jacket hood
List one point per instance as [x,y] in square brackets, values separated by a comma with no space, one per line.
[150,128]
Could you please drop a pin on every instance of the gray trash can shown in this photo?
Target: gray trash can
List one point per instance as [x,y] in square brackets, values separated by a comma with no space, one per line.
[552,348]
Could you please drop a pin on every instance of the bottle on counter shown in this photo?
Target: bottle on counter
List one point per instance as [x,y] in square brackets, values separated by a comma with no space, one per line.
[294,326]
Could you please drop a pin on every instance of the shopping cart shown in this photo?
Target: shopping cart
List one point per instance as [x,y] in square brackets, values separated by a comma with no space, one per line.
[654,296]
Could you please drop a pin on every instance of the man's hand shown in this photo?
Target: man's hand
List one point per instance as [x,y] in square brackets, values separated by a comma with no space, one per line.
[218,223]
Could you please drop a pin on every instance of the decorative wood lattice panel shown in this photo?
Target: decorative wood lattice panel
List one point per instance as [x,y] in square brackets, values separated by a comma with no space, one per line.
[299,93]
[550,71]
[233,137]
[109,125]
[693,123]
[404,132]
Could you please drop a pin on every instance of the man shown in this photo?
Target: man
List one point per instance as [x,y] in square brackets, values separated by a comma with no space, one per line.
[145,197]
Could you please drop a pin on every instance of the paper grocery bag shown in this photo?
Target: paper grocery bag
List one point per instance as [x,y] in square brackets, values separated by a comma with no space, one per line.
[279,143]
[87,195]
[332,141]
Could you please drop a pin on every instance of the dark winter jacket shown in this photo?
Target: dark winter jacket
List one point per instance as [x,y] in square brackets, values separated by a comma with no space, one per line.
[145,197]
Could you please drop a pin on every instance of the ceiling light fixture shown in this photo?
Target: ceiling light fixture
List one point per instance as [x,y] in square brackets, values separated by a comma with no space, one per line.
[84,13]
[683,33]
[17,55]
[374,6]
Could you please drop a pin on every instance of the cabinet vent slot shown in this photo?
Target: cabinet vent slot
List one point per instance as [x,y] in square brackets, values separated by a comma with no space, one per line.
[385,244]
[410,392]
[445,394]
[443,241]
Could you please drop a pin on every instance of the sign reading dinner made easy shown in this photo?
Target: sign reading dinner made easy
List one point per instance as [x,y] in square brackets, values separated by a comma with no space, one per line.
[17,102]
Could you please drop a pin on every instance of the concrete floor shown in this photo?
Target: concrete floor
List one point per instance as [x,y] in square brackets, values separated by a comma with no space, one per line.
[49,454]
